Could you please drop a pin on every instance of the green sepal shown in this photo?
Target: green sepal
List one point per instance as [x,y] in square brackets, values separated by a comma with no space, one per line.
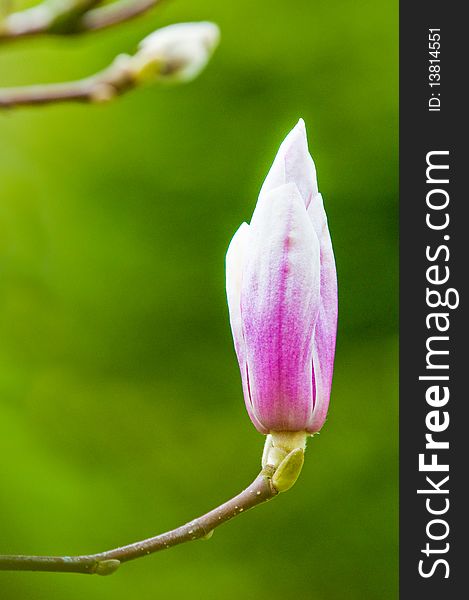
[288,470]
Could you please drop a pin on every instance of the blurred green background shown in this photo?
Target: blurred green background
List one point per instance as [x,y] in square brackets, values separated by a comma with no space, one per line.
[121,410]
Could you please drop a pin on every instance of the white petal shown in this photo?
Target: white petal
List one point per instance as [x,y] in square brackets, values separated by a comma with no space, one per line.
[234,271]
[280,303]
[293,164]
[318,216]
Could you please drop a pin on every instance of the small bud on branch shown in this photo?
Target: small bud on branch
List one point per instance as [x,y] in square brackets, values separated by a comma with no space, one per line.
[176,53]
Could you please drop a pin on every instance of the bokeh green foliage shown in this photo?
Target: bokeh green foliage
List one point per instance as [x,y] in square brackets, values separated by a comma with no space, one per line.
[121,411]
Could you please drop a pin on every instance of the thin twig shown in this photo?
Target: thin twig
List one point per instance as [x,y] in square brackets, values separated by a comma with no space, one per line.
[173,54]
[103,86]
[112,14]
[74,17]
[73,91]
[105,563]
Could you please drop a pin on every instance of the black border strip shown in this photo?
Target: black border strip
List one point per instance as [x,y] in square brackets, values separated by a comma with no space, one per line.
[428,255]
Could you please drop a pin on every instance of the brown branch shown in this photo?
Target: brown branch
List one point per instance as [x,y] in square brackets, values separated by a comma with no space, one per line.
[173,54]
[103,86]
[282,462]
[112,14]
[105,563]
[70,17]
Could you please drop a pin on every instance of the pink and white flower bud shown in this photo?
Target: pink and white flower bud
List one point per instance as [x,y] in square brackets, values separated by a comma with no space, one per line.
[282,296]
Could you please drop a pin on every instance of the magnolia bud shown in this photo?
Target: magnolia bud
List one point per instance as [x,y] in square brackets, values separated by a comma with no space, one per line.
[177,53]
[282,296]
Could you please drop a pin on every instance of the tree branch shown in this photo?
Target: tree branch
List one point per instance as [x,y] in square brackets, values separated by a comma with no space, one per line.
[70,17]
[112,14]
[103,86]
[173,54]
[105,563]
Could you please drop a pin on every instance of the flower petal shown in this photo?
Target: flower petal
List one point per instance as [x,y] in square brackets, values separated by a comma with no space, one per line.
[279,304]
[235,257]
[293,164]
[234,271]
[326,326]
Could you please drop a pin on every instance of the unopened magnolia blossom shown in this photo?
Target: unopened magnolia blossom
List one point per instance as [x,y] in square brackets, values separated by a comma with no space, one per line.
[176,53]
[282,296]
